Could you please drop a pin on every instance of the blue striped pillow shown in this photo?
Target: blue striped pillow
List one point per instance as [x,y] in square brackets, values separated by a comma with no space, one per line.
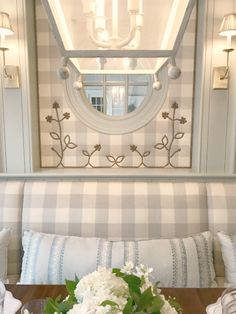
[52,258]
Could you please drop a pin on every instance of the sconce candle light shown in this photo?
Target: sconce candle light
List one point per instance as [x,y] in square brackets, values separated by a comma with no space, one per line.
[228,29]
[10,73]
[5,29]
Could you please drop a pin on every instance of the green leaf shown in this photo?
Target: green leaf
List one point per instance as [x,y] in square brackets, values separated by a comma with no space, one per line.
[175,305]
[145,299]
[108,302]
[128,307]
[157,304]
[135,295]
[71,286]
[118,272]
[132,280]
[134,291]
[52,306]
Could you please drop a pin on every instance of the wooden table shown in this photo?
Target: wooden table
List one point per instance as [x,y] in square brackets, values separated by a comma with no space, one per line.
[193,301]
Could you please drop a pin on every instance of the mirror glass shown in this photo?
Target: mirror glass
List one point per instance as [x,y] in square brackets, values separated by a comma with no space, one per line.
[116,94]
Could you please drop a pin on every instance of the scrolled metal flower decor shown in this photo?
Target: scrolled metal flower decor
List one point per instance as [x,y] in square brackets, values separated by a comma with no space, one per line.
[166,144]
[64,141]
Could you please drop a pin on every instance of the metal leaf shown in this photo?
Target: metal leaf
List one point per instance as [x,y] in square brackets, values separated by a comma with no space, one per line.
[147,153]
[159,146]
[85,153]
[119,159]
[67,139]
[111,158]
[55,136]
[165,140]
[71,145]
[179,135]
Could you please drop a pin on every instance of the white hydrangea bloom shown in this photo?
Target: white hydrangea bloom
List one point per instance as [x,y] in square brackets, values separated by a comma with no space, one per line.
[90,308]
[168,309]
[99,286]
[128,268]
[102,285]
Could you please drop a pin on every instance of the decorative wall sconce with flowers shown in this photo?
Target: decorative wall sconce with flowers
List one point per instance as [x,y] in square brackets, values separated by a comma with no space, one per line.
[10,73]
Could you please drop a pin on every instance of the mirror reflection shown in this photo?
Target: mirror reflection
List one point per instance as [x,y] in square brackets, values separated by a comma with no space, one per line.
[116,94]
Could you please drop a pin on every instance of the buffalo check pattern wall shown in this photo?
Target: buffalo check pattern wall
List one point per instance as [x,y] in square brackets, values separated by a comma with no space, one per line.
[51,89]
[116,210]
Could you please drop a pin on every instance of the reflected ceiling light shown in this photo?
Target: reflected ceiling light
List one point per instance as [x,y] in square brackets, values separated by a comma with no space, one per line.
[173,71]
[156,82]
[119,36]
[78,84]
[64,71]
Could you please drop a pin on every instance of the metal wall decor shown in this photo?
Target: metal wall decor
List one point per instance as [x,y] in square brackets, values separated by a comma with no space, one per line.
[63,142]
[167,143]
[156,143]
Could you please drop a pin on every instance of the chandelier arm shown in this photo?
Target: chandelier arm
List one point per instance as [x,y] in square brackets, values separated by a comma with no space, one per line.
[95,41]
[99,43]
[137,38]
[128,39]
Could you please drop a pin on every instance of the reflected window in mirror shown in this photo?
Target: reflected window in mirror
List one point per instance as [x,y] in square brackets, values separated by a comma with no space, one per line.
[116,94]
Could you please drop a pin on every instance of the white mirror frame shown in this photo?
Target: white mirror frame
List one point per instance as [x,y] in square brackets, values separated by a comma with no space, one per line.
[116,125]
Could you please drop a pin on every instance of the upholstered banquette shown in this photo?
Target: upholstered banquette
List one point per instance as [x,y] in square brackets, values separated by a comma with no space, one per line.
[115,210]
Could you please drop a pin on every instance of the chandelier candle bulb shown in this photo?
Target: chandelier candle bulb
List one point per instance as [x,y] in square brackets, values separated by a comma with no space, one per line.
[100,7]
[133,5]
[115,19]
[89,7]
[100,23]
[139,20]
[140,6]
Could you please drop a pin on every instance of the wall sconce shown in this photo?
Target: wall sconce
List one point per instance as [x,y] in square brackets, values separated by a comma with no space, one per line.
[10,73]
[228,29]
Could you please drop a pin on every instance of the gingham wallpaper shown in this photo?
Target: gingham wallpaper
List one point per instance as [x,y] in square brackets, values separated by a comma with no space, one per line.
[83,139]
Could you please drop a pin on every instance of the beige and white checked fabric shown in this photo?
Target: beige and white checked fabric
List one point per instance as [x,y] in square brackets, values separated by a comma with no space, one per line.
[11,198]
[116,210]
[222,215]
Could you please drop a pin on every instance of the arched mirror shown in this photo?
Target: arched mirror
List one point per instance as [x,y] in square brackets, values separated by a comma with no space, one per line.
[116,94]
[116,103]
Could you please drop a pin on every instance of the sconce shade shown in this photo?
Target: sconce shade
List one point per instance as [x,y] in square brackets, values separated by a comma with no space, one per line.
[228,25]
[118,36]
[5,25]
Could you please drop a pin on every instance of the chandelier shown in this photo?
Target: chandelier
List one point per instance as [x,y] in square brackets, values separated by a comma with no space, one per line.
[119,36]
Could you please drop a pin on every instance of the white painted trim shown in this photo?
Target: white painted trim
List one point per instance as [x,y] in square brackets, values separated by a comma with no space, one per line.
[206,98]
[117,174]
[3,160]
[199,85]
[29,84]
